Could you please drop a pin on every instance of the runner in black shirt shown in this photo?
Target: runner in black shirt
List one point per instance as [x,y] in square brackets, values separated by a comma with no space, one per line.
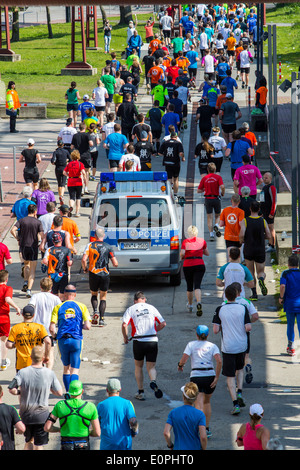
[203,116]
[28,231]
[32,158]
[60,158]
[98,253]
[128,112]
[144,150]
[9,419]
[148,60]
[205,152]
[173,153]
[155,115]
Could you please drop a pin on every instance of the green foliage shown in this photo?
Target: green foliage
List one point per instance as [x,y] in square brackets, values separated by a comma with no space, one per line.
[38,74]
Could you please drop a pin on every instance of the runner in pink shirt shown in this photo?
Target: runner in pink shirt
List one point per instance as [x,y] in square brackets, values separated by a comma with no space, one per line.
[247,175]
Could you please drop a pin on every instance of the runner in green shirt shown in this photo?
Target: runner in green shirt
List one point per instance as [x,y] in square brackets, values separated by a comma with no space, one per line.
[130,59]
[160,93]
[75,416]
[177,44]
[110,84]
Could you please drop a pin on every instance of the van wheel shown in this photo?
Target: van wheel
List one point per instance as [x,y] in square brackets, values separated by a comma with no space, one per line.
[175,280]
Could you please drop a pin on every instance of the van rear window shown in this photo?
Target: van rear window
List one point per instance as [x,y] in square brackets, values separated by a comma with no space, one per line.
[134,213]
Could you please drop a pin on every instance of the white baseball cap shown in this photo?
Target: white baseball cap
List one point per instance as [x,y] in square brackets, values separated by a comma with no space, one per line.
[85,97]
[30,142]
[256,409]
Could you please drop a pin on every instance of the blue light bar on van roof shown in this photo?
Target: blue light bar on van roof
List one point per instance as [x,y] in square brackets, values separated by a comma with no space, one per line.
[133,176]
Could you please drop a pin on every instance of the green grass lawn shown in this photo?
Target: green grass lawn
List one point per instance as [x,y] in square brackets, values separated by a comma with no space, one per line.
[38,75]
[288,37]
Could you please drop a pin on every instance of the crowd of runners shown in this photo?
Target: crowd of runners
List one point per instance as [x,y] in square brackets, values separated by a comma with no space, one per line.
[220,40]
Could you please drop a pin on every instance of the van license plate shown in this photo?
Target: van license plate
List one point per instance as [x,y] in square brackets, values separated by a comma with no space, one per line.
[134,245]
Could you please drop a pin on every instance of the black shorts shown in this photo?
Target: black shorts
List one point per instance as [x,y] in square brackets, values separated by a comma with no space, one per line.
[156,134]
[146,166]
[100,108]
[203,169]
[37,433]
[218,162]
[113,163]
[59,287]
[231,53]
[75,192]
[245,70]
[86,160]
[72,107]
[31,176]
[192,72]
[232,363]
[98,283]
[228,128]
[29,253]
[94,156]
[193,276]
[167,33]
[203,384]
[213,205]
[230,243]
[172,171]
[238,65]
[184,110]
[145,349]
[60,177]
[257,257]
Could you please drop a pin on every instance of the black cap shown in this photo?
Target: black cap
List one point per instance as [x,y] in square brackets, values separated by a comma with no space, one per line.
[64,208]
[28,311]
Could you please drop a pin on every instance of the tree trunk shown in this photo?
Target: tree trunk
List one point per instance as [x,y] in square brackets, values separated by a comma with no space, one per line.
[50,33]
[125,14]
[103,13]
[15,37]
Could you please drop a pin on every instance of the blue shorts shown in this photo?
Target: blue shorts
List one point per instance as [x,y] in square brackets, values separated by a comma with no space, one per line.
[109,99]
[70,351]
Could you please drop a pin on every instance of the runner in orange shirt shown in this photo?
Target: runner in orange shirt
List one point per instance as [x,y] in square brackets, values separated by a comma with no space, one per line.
[182,62]
[155,74]
[230,43]
[231,218]
[153,45]
[238,49]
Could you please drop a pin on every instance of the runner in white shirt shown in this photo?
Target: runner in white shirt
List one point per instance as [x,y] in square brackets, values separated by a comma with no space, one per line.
[44,302]
[130,157]
[202,354]
[220,146]
[208,62]
[253,317]
[234,321]
[145,321]
[203,42]
[245,60]
[166,23]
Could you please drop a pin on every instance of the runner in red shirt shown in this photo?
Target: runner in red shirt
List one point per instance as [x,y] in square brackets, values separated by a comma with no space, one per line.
[6,301]
[173,71]
[212,185]
[192,250]
[5,256]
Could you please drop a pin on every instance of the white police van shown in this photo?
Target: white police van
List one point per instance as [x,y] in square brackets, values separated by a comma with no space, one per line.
[142,222]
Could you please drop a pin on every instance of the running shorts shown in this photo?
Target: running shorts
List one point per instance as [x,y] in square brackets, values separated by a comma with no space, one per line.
[145,349]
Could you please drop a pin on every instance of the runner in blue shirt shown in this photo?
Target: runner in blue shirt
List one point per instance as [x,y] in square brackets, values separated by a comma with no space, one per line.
[20,207]
[187,422]
[221,70]
[193,57]
[84,106]
[117,419]
[230,83]
[116,143]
